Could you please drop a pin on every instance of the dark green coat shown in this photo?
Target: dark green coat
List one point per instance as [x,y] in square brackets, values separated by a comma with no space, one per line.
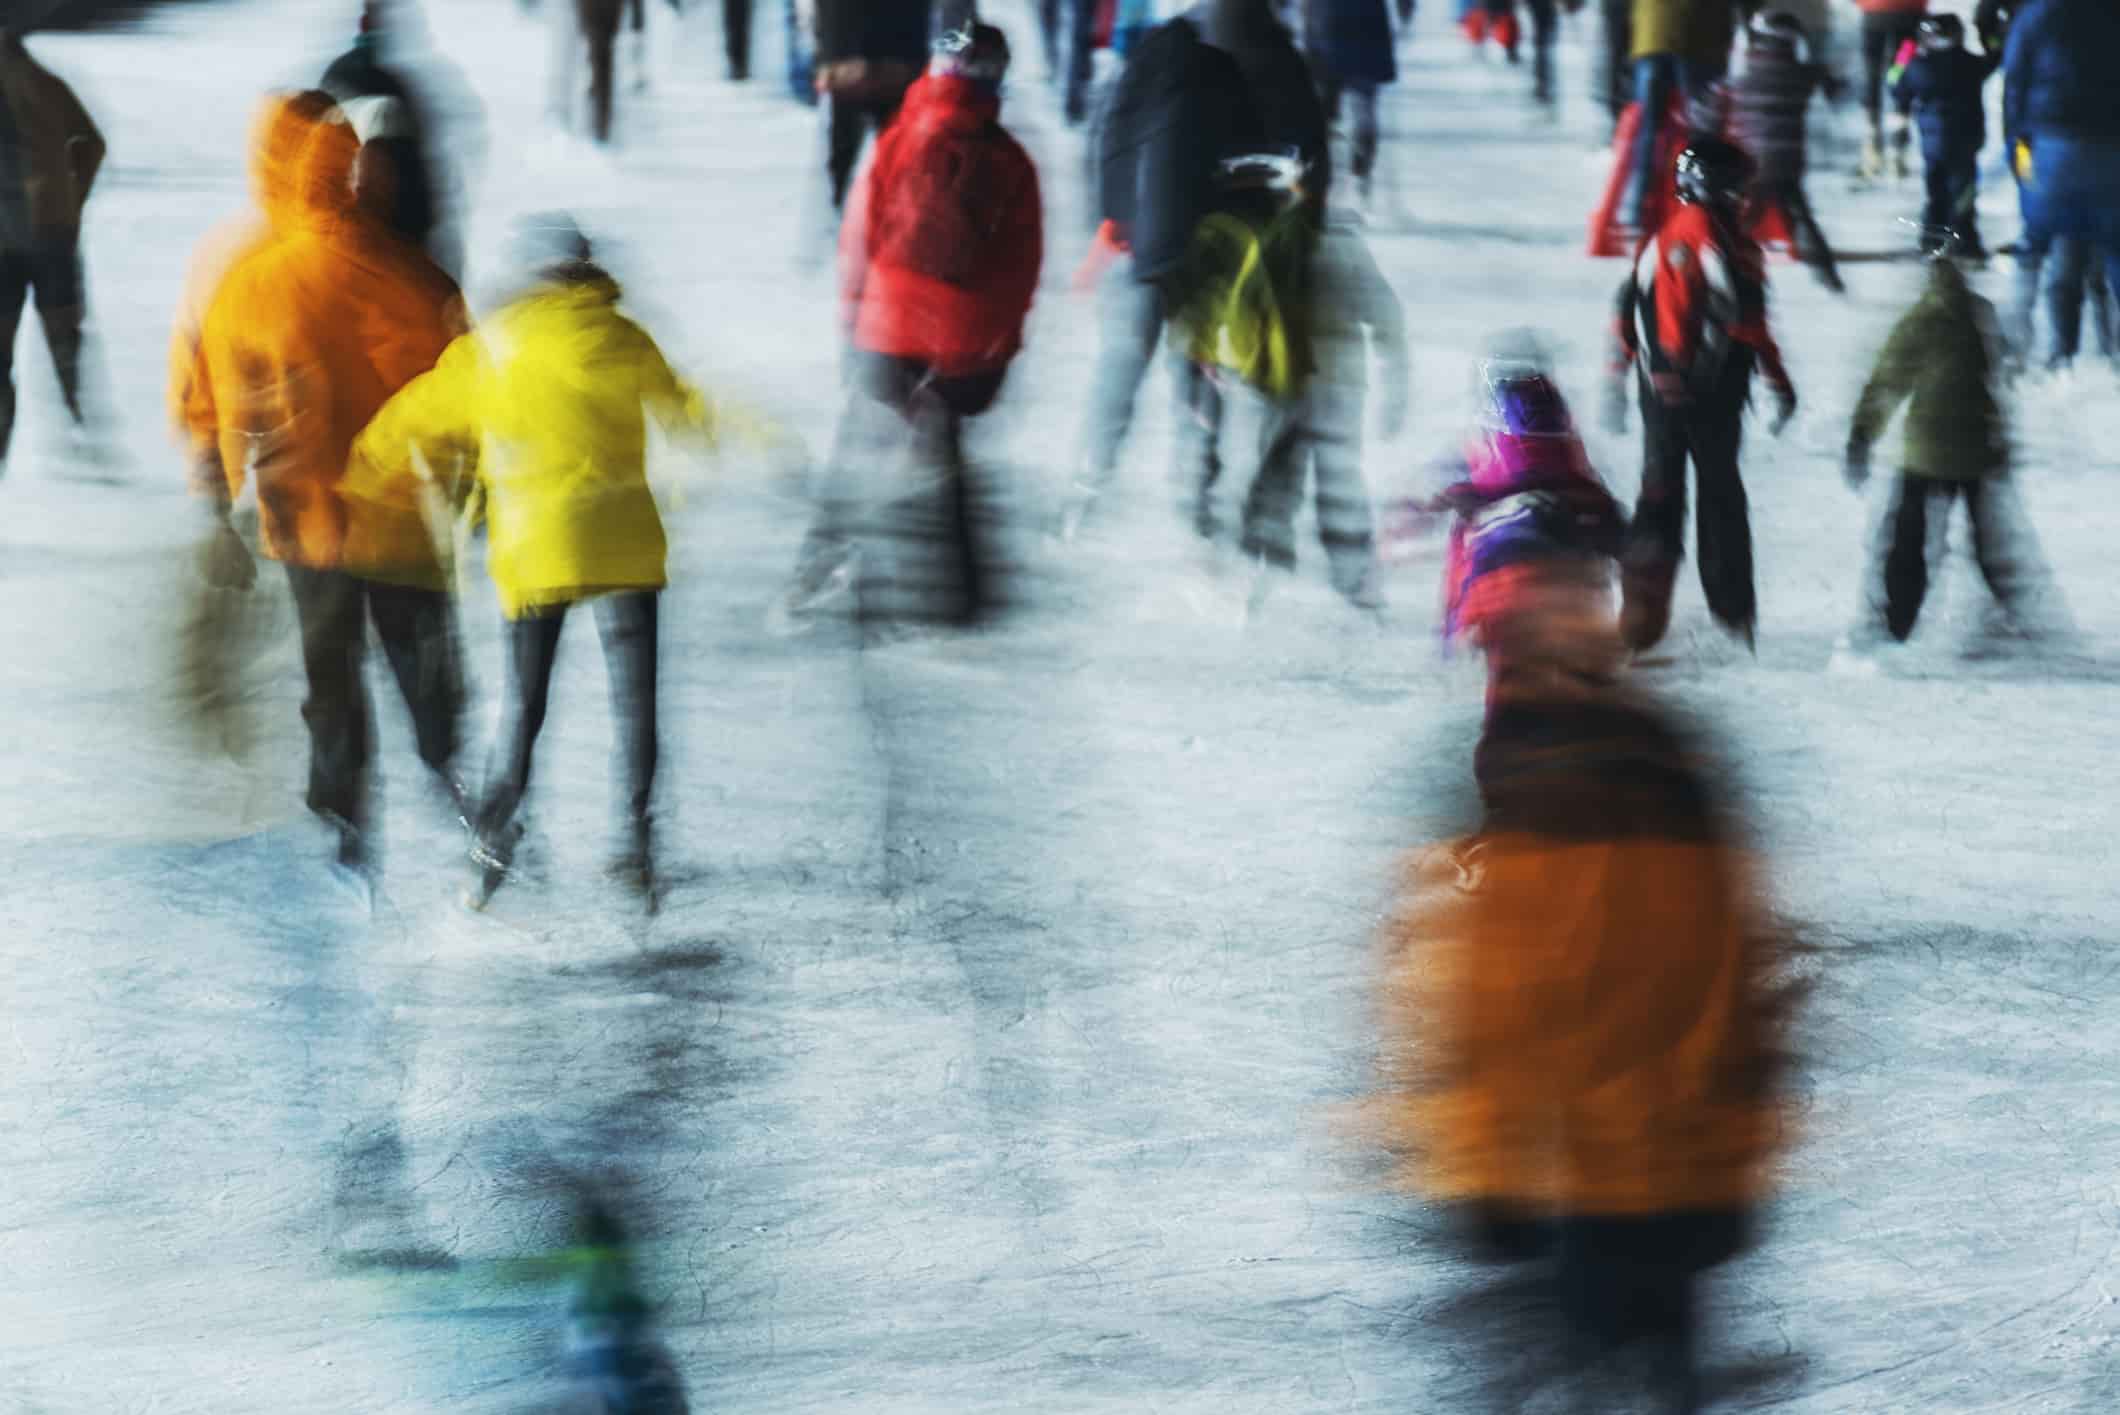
[1942,355]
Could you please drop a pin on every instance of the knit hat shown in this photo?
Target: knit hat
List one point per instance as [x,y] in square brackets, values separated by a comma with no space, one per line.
[975,51]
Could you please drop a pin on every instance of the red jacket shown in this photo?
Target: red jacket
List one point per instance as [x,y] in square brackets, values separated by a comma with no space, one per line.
[1698,290]
[940,250]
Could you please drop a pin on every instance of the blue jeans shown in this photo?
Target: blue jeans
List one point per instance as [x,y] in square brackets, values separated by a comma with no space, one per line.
[1656,78]
[801,81]
[2074,193]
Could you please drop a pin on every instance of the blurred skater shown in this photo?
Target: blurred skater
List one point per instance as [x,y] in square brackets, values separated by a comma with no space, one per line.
[1887,27]
[1350,48]
[868,54]
[1692,322]
[1224,77]
[302,342]
[1943,88]
[735,36]
[1944,355]
[1769,102]
[544,408]
[383,84]
[1581,1019]
[50,152]
[2077,292]
[940,254]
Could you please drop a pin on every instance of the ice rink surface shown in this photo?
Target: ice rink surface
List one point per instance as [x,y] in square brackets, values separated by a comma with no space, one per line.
[992,1049]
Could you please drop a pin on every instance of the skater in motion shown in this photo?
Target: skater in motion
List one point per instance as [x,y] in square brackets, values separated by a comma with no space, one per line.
[1887,27]
[1768,106]
[1943,361]
[940,254]
[1942,87]
[50,152]
[868,54]
[1692,323]
[539,420]
[302,342]
[1580,1016]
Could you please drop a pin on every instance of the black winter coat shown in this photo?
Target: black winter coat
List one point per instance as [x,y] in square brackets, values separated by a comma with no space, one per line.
[1181,107]
[1942,87]
[873,30]
[356,75]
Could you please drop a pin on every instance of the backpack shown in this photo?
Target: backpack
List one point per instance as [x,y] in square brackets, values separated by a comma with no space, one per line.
[1246,302]
[943,213]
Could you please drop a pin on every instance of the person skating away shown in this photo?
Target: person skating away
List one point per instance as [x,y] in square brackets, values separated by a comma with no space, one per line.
[50,153]
[544,408]
[1692,321]
[1221,78]
[868,54]
[1349,44]
[1769,102]
[1942,87]
[2061,129]
[1887,26]
[1943,360]
[1315,430]
[1581,1012]
[940,253]
[302,342]
[399,121]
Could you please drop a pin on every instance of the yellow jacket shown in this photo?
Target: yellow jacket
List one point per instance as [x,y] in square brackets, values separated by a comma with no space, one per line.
[546,404]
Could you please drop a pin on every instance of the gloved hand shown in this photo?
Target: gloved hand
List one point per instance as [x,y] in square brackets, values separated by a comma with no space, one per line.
[225,562]
[1614,409]
[1784,409]
[1856,468]
[2021,160]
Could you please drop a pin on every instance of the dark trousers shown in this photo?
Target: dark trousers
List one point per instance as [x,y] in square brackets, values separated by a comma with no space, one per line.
[891,399]
[1906,559]
[1318,435]
[1070,49]
[1618,65]
[52,273]
[1366,130]
[626,623]
[417,629]
[736,36]
[1882,35]
[2076,282]
[1948,217]
[848,120]
[1811,245]
[599,25]
[1706,434]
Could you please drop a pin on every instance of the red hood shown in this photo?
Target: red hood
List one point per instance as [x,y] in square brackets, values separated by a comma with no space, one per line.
[947,101]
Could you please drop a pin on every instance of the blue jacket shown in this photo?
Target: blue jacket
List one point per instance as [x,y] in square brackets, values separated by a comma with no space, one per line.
[1351,41]
[2061,71]
[1943,88]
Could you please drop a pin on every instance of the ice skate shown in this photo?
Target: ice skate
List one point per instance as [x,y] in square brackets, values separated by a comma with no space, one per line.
[493,865]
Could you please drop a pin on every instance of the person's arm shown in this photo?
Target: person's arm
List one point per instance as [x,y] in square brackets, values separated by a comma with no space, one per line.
[85,148]
[429,429]
[1625,353]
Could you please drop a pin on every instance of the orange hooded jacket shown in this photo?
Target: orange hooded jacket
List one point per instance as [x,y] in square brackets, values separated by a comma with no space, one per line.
[303,341]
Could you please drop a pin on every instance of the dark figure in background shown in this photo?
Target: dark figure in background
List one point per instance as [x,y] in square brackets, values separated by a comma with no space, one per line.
[1942,87]
[1769,104]
[50,152]
[1069,28]
[1887,26]
[1545,28]
[1692,320]
[1944,354]
[2061,127]
[1617,67]
[2076,288]
[1350,49]
[1222,78]
[599,20]
[1681,48]
[868,54]
[940,255]
[736,36]
[396,123]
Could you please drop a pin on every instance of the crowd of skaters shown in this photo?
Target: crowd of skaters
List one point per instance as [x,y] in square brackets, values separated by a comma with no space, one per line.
[325,358]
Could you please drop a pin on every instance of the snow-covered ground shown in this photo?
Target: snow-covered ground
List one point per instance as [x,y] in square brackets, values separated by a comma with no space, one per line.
[1052,1125]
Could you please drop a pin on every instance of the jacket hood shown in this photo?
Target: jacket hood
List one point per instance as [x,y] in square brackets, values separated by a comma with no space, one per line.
[324,179]
[279,140]
[949,100]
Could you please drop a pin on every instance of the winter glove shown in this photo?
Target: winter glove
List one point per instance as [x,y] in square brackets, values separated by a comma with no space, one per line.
[1615,406]
[1784,409]
[225,562]
[2021,161]
[1856,469]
